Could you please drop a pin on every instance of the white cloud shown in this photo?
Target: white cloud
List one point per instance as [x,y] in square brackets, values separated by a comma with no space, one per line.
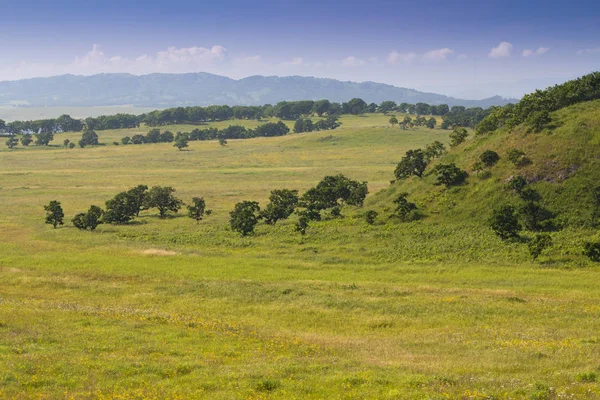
[538,52]
[438,54]
[502,50]
[297,61]
[352,62]
[462,57]
[406,58]
[589,51]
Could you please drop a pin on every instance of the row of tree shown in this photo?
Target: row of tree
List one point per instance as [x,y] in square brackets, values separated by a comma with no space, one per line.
[286,110]
[328,195]
[534,108]
[126,206]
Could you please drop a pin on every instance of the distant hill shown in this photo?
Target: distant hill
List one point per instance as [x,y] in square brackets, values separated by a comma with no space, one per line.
[169,90]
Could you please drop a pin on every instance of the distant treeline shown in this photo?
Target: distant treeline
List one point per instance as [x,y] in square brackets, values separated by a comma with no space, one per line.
[285,110]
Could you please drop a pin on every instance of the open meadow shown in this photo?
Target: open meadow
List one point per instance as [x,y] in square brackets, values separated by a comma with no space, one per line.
[438,308]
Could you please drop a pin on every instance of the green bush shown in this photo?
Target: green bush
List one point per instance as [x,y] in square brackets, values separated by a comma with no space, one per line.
[592,251]
[504,222]
[489,158]
[449,175]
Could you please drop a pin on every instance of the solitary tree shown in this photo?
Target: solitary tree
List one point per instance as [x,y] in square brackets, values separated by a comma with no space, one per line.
[244,217]
[88,138]
[302,224]
[181,142]
[54,213]
[431,123]
[126,140]
[197,208]
[66,143]
[162,198]
[504,222]
[393,121]
[414,162]
[120,209]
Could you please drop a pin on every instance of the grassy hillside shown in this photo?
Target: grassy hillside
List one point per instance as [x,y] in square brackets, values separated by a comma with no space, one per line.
[437,308]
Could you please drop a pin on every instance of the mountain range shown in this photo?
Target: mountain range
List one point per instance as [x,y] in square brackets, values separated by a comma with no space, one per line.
[169,90]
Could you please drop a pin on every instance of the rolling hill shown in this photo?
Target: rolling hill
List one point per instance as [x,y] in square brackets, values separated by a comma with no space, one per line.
[168,90]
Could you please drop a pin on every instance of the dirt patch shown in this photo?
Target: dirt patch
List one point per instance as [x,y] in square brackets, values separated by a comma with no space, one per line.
[158,252]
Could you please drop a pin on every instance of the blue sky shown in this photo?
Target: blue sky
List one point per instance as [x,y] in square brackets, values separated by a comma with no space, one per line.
[465,48]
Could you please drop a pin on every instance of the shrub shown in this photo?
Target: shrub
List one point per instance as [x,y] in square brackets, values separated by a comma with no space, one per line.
[126,140]
[302,224]
[71,145]
[404,207]
[489,158]
[371,216]
[504,222]
[592,251]
[516,183]
[539,244]
[434,150]
[516,157]
[88,138]
[587,377]
[244,217]
[535,217]
[449,175]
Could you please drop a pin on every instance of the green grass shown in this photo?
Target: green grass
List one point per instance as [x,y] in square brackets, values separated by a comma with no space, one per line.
[438,308]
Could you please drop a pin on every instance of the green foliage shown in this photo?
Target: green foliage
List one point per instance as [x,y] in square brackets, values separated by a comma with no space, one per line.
[528,194]
[302,225]
[431,123]
[89,220]
[162,197]
[516,183]
[137,197]
[88,138]
[303,125]
[538,244]
[535,217]
[356,106]
[371,216]
[244,217]
[393,121]
[458,136]
[181,141]
[505,223]
[330,192]
[222,141]
[71,145]
[387,106]
[489,158]
[533,108]
[26,139]
[538,120]
[592,251]
[44,138]
[54,213]
[126,140]
[197,209]
[434,150]
[282,204]
[121,208]
[404,208]
[516,157]
[414,162]
[12,142]
[449,175]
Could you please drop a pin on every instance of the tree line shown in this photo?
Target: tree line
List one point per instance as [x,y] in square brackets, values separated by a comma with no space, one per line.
[285,110]
[325,200]
[534,108]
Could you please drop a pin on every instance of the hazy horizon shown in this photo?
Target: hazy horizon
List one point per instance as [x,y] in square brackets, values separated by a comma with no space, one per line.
[474,50]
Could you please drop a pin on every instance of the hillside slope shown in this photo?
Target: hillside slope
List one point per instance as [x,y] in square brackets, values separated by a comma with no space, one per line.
[169,90]
[562,164]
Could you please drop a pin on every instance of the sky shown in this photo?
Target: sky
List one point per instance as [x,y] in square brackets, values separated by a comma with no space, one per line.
[464,48]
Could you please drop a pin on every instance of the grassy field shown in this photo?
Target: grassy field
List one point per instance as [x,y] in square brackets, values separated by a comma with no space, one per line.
[171,309]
